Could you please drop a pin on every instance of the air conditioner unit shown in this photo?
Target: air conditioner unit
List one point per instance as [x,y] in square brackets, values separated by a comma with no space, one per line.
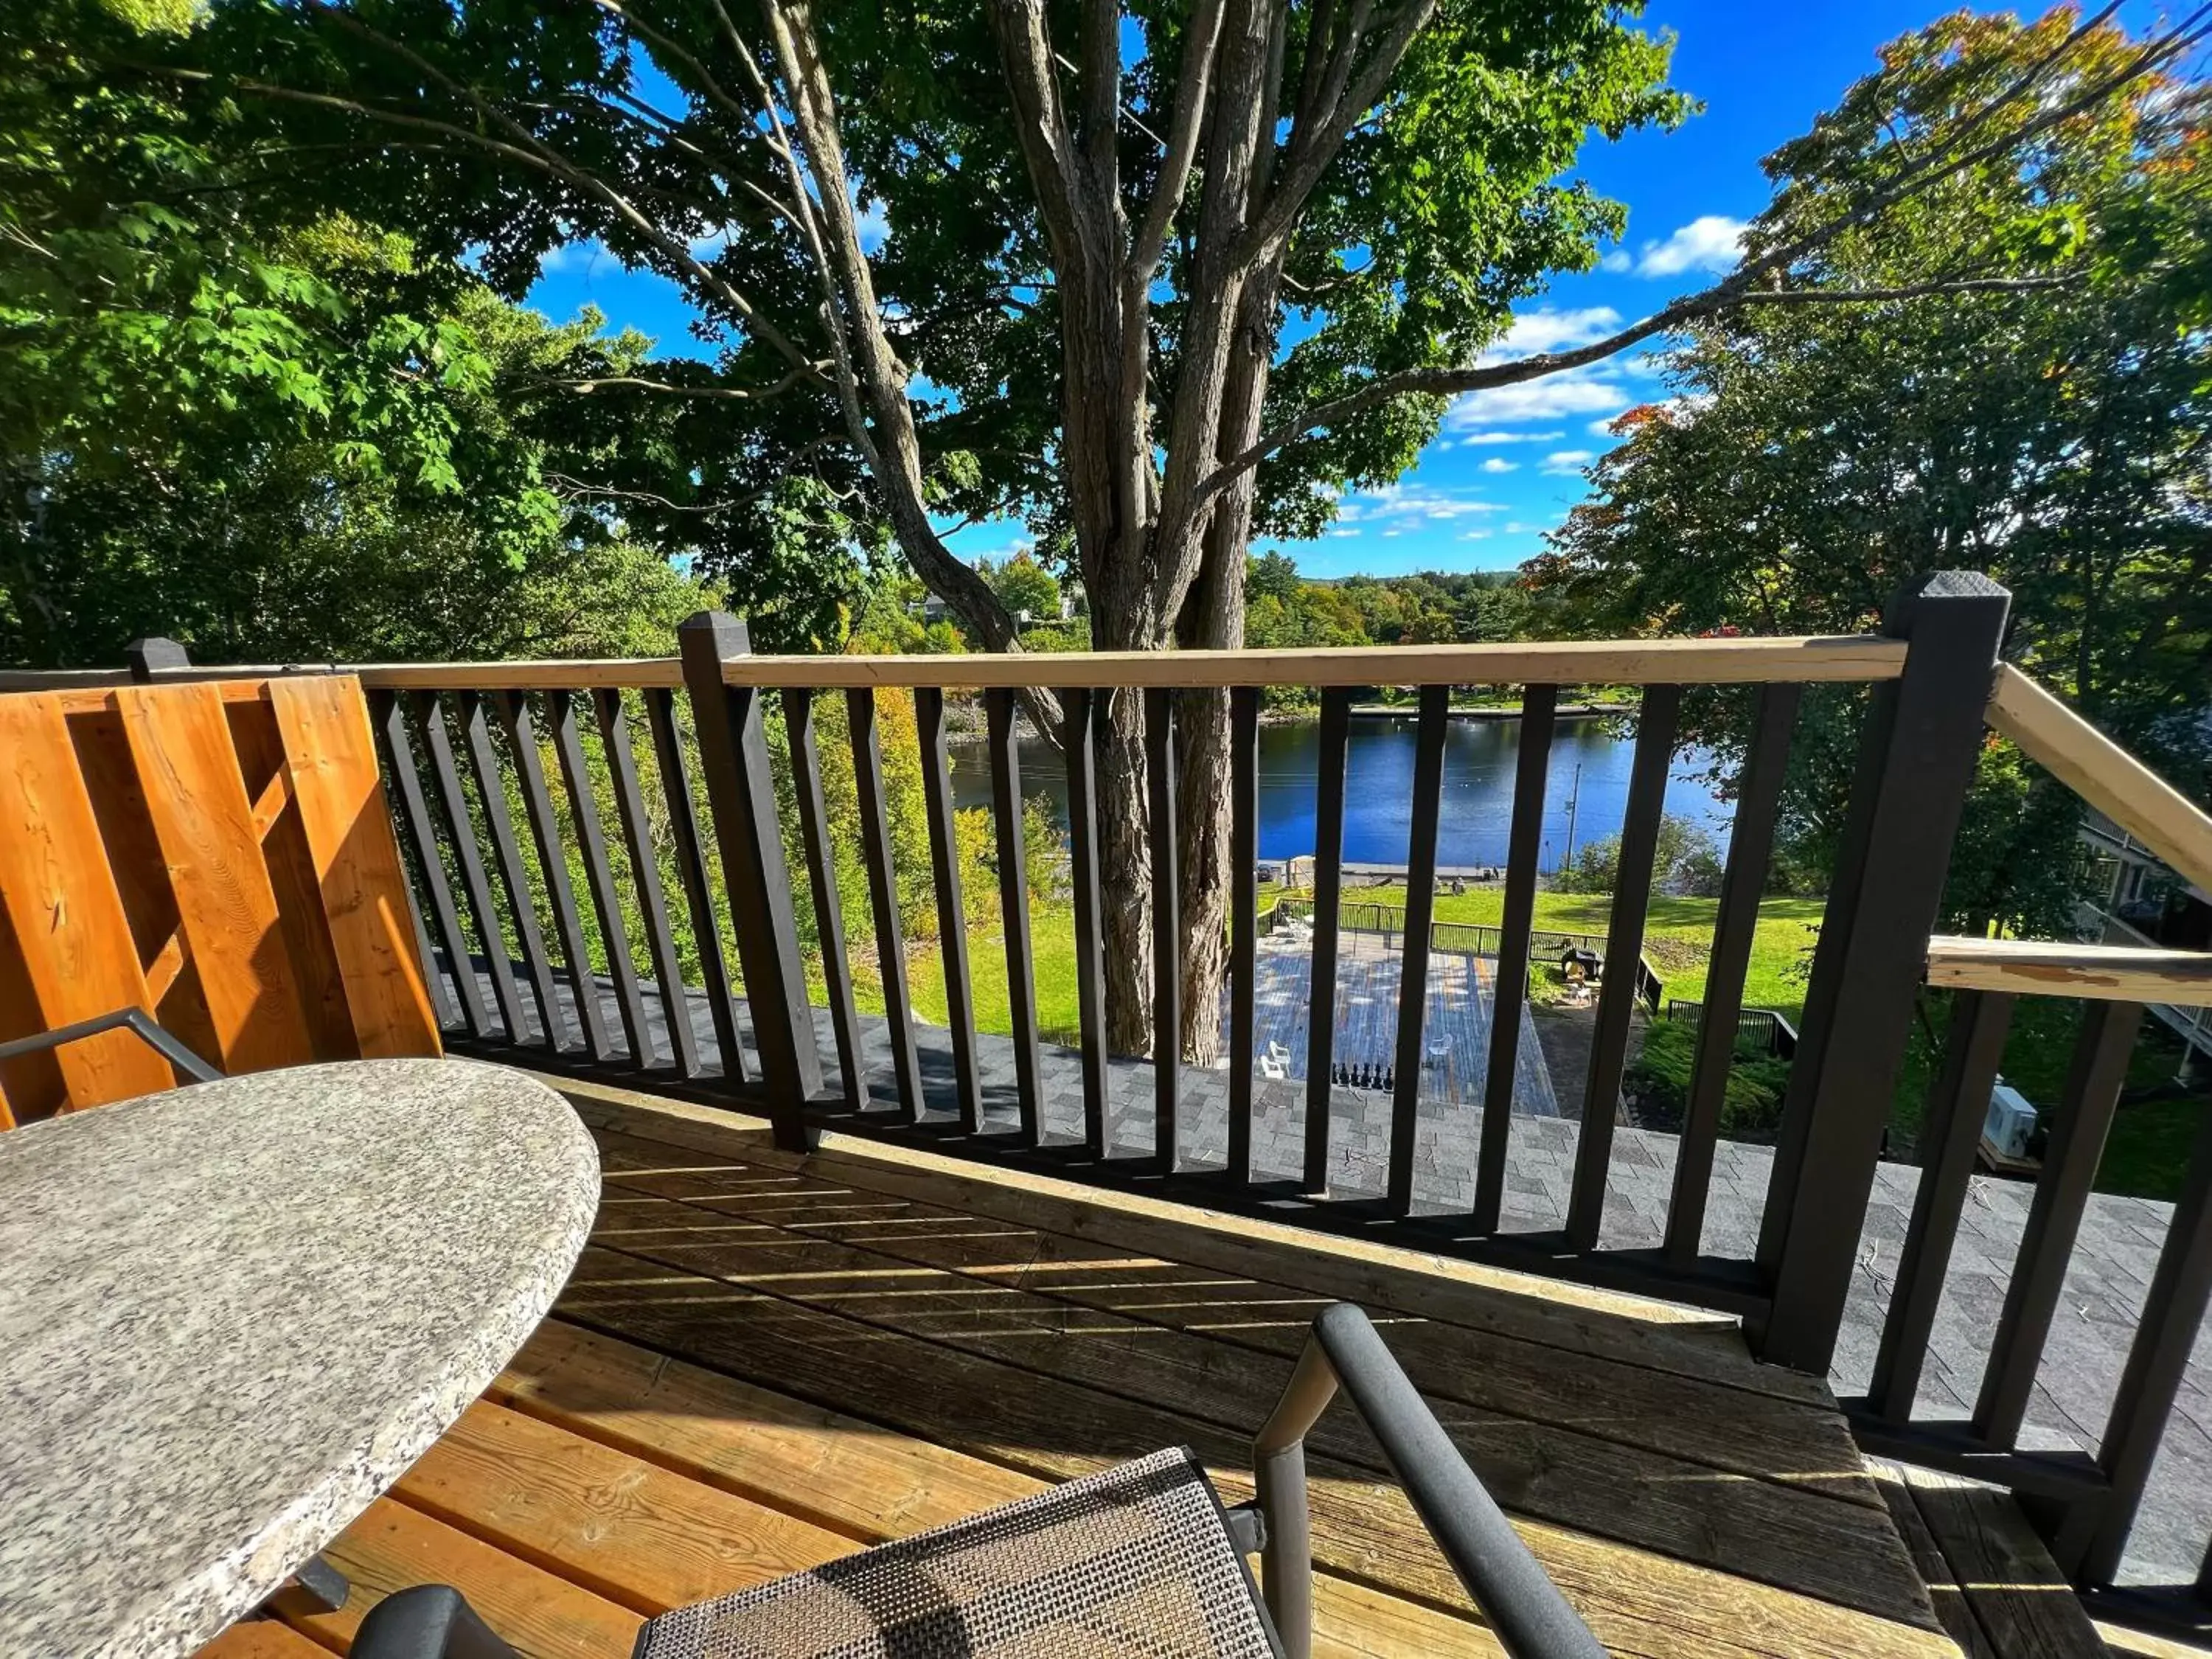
[2010,1121]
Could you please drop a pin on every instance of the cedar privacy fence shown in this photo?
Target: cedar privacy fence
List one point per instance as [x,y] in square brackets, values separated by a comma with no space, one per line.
[466,742]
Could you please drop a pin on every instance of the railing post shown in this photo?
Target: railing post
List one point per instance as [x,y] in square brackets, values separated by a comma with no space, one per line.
[1915,764]
[741,793]
[153,656]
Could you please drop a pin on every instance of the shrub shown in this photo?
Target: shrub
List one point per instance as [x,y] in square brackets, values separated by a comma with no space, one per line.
[1658,1084]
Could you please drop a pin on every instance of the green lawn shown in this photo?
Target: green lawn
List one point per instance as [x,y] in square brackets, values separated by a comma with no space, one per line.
[1679,939]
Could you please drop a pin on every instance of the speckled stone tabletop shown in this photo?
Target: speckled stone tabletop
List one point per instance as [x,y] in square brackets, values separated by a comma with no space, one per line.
[231,1315]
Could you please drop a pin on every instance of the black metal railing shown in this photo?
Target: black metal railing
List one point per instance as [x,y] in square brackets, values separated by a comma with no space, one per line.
[554,944]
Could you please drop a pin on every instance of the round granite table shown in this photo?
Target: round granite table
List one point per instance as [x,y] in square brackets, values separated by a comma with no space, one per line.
[231,1315]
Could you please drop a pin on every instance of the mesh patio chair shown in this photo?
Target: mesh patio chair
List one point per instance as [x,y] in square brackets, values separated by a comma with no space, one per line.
[1140,1559]
[136,1021]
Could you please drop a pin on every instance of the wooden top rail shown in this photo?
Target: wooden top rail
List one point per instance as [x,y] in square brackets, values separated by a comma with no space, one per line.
[2110,973]
[2104,775]
[1734,661]
[1571,662]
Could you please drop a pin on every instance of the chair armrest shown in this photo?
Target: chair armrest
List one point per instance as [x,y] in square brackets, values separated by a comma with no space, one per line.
[429,1621]
[138,1022]
[1532,1620]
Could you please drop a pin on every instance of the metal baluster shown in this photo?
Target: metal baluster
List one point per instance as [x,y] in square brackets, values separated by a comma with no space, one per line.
[1079,723]
[645,873]
[1524,842]
[2092,1540]
[691,868]
[951,911]
[600,880]
[1751,847]
[1328,879]
[513,875]
[1624,951]
[821,878]
[553,863]
[415,814]
[1414,960]
[883,898]
[1958,1107]
[1243,917]
[475,885]
[1014,905]
[1167,930]
[2054,1216]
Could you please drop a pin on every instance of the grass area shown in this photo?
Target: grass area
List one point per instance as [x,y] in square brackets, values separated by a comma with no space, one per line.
[1678,935]
[1678,940]
[2148,1152]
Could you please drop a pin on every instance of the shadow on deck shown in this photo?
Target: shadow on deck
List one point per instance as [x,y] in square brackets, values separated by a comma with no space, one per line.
[764,1359]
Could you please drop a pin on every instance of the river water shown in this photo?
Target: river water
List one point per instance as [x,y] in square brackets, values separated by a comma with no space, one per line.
[1587,781]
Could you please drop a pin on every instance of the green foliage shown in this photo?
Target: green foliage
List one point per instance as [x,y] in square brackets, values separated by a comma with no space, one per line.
[1686,862]
[235,410]
[1284,611]
[1025,587]
[1815,456]
[1658,1083]
[1454,199]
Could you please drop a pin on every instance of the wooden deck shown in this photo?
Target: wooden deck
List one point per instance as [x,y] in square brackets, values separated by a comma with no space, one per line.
[763,1362]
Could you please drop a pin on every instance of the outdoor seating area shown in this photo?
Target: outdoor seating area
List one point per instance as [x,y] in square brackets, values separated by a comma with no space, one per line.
[765,1361]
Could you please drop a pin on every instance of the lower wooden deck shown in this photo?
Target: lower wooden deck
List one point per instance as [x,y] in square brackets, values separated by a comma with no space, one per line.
[764,1362]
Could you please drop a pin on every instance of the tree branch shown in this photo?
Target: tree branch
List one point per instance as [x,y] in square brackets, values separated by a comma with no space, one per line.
[1309,159]
[1180,150]
[596,383]
[1041,123]
[1450,382]
[1737,287]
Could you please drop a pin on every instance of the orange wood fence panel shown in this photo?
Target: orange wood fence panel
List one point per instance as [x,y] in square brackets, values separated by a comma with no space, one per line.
[224,861]
[332,754]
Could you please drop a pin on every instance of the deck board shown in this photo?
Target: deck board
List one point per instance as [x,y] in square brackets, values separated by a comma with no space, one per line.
[1580,1395]
[764,1361]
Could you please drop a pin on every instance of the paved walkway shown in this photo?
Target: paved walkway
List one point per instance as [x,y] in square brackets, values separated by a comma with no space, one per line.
[2104,1291]
[1455,1021]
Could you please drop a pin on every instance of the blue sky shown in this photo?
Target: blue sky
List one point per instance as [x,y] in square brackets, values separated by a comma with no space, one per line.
[1508,463]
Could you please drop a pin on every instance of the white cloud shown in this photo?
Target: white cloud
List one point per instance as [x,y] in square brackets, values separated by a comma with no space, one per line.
[1389,534]
[1603,428]
[1344,533]
[1600,389]
[1512,437]
[1400,503]
[1576,391]
[572,257]
[1548,328]
[1709,242]
[1616,261]
[1495,465]
[1474,535]
[1568,460]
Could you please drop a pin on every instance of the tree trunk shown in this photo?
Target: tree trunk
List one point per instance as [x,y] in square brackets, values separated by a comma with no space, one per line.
[1214,619]
[1125,872]
[1202,783]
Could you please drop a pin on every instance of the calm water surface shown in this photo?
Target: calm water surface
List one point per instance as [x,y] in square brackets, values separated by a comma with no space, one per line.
[1590,766]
